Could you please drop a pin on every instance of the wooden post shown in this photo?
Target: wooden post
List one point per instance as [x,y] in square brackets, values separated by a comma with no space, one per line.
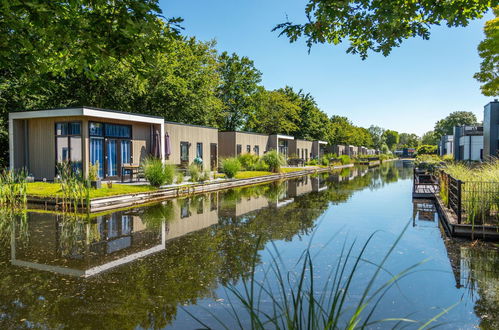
[459,195]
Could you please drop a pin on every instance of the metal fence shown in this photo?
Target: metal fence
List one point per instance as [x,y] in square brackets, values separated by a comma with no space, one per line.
[473,202]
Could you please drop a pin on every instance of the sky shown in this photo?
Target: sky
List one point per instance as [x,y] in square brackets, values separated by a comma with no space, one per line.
[417,84]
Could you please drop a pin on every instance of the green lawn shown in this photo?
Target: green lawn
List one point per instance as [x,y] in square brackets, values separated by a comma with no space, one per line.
[291,169]
[46,189]
[251,174]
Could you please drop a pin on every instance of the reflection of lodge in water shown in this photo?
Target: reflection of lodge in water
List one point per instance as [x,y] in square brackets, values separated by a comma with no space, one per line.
[71,245]
[78,247]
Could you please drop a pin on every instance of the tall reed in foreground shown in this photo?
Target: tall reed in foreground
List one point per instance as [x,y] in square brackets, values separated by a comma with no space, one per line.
[75,191]
[13,189]
[298,303]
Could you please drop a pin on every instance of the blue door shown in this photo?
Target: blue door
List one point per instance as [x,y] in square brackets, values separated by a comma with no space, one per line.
[112,158]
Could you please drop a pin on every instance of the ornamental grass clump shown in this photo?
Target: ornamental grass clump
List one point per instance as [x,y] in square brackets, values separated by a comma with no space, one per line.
[13,189]
[230,166]
[75,190]
[479,190]
[274,160]
[248,161]
[157,173]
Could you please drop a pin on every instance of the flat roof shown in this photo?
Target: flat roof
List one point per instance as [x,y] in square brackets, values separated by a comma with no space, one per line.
[192,125]
[87,112]
[244,132]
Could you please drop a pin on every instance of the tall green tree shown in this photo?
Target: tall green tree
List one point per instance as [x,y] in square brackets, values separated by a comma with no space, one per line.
[239,81]
[391,138]
[313,123]
[379,25]
[377,136]
[488,50]
[458,118]
[407,140]
[430,138]
[274,113]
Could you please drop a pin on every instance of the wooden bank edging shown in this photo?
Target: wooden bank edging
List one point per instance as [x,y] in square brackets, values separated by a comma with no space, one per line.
[453,229]
[119,201]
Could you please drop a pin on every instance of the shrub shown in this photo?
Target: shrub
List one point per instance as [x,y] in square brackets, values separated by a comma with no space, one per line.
[157,173]
[312,162]
[194,172]
[261,166]
[205,176]
[448,158]
[179,177]
[426,149]
[274,160]
[345,159]
[230,166]
[248,161]
[93,171]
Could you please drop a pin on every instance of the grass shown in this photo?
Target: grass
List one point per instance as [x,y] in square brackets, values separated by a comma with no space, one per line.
[291,169]
[47,189]
[251,174]
[480,190]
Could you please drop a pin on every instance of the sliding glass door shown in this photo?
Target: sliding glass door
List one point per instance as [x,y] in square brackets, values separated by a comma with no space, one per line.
[112,158]
[97,154]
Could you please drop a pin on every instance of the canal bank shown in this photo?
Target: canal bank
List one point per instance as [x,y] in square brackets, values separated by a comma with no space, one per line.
[134,199]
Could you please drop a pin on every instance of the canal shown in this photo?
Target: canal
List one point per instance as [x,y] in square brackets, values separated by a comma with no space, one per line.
[155,266]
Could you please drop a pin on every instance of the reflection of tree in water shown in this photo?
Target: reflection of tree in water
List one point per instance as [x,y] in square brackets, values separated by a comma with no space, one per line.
[480,274]
[146,293]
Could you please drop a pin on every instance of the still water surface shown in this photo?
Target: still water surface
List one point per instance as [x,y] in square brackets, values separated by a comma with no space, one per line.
[149,267]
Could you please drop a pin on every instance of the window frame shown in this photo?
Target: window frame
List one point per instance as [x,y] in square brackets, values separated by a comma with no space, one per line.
[68,136]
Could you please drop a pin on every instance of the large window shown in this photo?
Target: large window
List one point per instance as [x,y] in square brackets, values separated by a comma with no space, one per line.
[68,144]
[110,130]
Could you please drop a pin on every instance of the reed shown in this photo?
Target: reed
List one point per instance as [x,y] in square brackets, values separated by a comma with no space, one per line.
[13,189]
[480,190]
[299,303]
[75,190]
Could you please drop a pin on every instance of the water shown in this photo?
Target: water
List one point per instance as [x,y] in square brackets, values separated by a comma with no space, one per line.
[149,267]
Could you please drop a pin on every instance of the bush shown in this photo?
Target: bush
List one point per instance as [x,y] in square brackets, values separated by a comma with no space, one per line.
[345,159]
[179,177]
[205,176]
[312,162]
[274,160]
[230,166]
[248,161]
[426,149]
[448,158]
[93,171]
[194,172]
[261,166]
[157,173]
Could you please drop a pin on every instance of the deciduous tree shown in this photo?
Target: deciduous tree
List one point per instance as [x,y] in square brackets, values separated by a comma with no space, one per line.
[489,52]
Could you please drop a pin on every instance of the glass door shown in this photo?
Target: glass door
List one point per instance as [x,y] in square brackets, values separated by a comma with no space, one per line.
[111,158]
[97,154]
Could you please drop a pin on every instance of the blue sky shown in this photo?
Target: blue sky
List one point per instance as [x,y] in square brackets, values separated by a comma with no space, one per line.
[408,91]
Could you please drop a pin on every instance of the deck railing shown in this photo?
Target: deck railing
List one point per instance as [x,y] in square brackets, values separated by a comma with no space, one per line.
[473,202]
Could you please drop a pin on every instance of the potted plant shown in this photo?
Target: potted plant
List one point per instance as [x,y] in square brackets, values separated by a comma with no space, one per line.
[93,176]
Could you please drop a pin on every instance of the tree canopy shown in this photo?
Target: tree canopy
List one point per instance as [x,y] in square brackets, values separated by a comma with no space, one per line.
[488,50]
[458,118]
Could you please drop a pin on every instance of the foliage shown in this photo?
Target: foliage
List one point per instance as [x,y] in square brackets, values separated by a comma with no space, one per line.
[230,166]
[13,189]
[74,191]
[384,149]
[239,81]
[391,138]
[179,177]
[407,140]
[345,159]
[430,138]
[480,190]
[448,158]
[426,149]
[274,113]
[458,118]
[93,171]
[248,161]
[344,132]
[428,162]
[488,50]
[194,171]
[377,135]
[157,173]
[378,26]
[312,162]
[274,160]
